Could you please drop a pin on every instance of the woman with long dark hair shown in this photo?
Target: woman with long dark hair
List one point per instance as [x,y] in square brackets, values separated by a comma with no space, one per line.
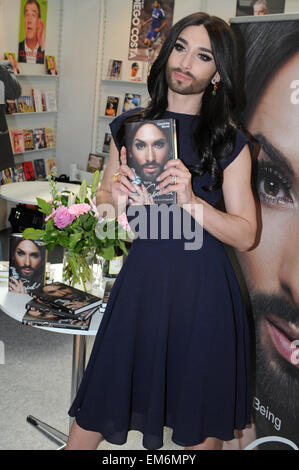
[173,346]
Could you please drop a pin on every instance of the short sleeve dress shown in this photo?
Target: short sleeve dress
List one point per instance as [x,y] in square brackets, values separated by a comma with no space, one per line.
[173,348]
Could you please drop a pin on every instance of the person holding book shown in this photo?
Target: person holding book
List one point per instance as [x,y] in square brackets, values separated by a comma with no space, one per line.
[173,348]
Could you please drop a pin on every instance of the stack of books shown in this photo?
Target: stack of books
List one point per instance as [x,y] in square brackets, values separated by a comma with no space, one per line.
[58,305]
[107,291]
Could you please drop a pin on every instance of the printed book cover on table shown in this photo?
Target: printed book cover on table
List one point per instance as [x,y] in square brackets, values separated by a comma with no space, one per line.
[107,292]
[67,298]
[111,106]
[131,101]
[27,264]
[35,317]
[157,137]
[42,306]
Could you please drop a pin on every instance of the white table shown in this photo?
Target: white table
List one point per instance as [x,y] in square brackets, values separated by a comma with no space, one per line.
[26,192]
[13,304]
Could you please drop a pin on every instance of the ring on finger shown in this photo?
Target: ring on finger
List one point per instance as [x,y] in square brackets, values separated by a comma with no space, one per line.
[115,177]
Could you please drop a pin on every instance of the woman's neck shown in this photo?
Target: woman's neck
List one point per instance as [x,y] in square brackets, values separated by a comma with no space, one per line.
[184,104]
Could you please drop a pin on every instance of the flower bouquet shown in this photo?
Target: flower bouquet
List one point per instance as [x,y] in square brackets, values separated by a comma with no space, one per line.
[72,221]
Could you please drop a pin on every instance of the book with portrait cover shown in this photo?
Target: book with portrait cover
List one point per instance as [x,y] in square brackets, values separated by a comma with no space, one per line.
[114,69]
[95,162]
[17,140]
[28,171]
[39,138]
[27,264]
[35,317]
[51,163]
[40,169]
[7,176]
[11,56]
[66,298]
[51,67]
[131,101]
[159,138]
[28,139]
[136,71]
[25,104]
[11,107]
[44,307]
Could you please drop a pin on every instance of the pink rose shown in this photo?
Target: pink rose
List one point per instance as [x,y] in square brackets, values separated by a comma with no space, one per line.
[123,221]
[78,209]
[51,215]
[63,217]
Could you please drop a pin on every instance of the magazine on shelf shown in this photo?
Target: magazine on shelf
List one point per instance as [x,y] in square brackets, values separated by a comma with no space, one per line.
[136,71]
[49,137]
[37,100]
[131,101]
[67,298]
[50,101]
[40,169]
[25,104]
[28,170]
[39,138]
[28,139]
[34,317]
[27,264]
[18,172]
[114,69]
[107,292]
[107,142]
[111,106]
[95,162]
[17,140]
[11,56]
[51,163]
[42,306]
[51,67]
[7,176]
[161,136]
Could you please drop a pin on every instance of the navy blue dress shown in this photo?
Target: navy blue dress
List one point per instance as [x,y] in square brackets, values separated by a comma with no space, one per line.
[173,346]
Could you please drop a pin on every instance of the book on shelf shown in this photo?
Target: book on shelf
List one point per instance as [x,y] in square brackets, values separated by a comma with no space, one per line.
[107,142]
[28,139]
[51,163]
[11,56]
[11,107]
[50,101]
[7,176]
[66,298]
[37,317]
[18,173]
[107,291]
[111,106]
[39,138]
[27,264]
[37,100]
[95,162]
[28,170]
[51,67]
[17,140]
[40,169]
[114,69]
[160,135]
[131,101]
[49,137]
[136,71]
[25,104]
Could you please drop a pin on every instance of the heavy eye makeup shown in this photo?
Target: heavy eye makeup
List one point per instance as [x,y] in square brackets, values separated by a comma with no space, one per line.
[179,47]
[274,187]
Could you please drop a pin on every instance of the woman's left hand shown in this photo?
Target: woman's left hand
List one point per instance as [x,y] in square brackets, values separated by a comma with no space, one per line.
[176,172]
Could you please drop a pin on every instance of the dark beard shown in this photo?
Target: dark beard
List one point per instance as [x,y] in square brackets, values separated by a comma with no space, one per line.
[147,179]
[196,86]
[277,381]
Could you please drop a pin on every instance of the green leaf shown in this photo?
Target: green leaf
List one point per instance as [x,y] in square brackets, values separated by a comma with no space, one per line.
[33,234]
[95,183]
[74,239]
[83,190]
[44,206]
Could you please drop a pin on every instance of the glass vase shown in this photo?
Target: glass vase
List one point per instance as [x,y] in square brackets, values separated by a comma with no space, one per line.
[78,269]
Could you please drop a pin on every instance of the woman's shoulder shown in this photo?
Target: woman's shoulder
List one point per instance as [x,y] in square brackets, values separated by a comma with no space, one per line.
[240,141]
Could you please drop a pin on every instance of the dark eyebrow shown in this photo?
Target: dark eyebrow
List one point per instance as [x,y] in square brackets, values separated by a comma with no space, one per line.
[275,155]
[204,49]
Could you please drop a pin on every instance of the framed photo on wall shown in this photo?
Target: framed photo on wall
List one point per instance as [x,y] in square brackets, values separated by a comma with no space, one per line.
[259,7]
